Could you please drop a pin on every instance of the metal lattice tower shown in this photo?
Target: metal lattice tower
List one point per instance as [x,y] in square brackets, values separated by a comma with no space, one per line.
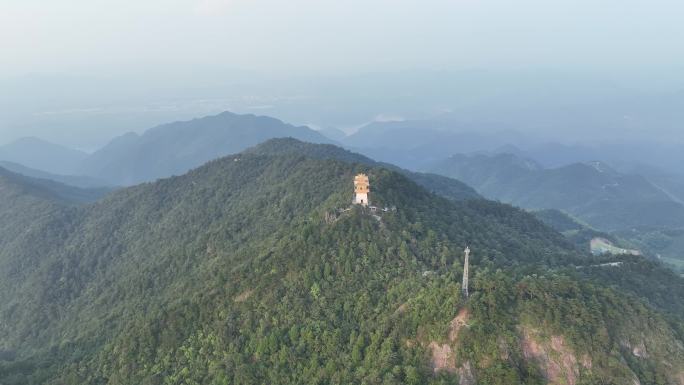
[464,289]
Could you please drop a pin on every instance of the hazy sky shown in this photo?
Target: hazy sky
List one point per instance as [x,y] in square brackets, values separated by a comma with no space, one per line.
[80,71]
[103,36]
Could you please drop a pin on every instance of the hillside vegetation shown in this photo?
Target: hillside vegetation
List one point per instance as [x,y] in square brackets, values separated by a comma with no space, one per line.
[447,187]
[246,271]
[593,192]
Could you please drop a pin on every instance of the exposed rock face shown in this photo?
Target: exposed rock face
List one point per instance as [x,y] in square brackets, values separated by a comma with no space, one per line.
[639,352]
[638,349]
[556,360]
[458,323]
[443,358]
[465,375]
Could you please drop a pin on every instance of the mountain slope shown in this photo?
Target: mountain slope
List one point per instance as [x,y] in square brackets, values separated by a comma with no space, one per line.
[39,154]
[34,206]
[580,234]
[20,187]
[71,180]
[22,205]
[593,192]
[245,271]
[175,148]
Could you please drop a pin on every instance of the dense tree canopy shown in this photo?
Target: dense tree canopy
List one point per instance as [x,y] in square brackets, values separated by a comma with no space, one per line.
[248,270]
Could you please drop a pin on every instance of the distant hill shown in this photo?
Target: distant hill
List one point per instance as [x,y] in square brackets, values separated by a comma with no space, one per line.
[593,192]
[415,144]
[578,233]
[175,148]
[558,220]
[251,270]
[444,186]
[42,155]
[333,133]
[71,180]
[31,205]
[671,184]
[20,187]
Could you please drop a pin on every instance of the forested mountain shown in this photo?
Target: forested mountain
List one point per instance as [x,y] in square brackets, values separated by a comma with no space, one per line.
[71,180]
[249,270]
[39,154]
[593,192]
[175,148]
[444,186]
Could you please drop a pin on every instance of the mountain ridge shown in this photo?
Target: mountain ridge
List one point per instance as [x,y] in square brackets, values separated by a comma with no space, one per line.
[71,180]
[175,148]
[591,191]
[444,186]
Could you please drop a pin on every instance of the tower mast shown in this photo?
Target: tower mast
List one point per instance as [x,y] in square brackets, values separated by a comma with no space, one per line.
[464,289]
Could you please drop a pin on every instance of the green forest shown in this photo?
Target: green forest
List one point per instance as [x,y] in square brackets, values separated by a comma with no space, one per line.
[249,270]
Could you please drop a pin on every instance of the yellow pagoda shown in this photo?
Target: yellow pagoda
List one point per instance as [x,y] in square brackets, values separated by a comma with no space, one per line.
[361,189]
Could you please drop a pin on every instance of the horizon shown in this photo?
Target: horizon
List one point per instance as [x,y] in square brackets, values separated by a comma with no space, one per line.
[342,65]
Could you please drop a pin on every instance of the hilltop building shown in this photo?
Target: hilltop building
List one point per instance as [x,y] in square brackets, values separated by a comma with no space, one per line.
[361,190]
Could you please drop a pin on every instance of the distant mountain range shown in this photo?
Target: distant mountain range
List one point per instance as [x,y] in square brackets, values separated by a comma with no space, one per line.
[603,197]
[418,143]
[593,192]
[175,148]
[162,151]
[415,144]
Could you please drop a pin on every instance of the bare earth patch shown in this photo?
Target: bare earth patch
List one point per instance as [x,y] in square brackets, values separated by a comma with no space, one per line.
[586,361]
[465,374]
[402,308]
[442,357]
[555,358]
[458,323]
[244,296]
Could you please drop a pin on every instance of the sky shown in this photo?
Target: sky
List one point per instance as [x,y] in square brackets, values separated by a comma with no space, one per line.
[175,36]
[137,48]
